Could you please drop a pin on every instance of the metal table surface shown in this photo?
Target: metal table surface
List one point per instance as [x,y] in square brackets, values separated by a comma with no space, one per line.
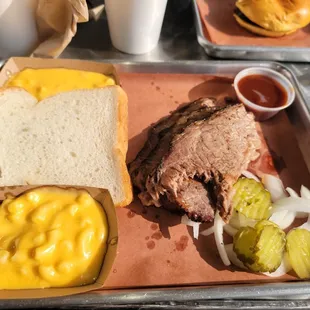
[178,42]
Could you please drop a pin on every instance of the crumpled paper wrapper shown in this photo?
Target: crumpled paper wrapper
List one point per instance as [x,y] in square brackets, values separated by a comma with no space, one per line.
[57,24]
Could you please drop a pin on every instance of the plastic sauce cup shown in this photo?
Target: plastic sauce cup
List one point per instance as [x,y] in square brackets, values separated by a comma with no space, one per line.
[263,113]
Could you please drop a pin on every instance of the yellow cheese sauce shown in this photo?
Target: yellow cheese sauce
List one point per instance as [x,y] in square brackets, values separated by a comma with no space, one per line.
[42,83]
[51,237]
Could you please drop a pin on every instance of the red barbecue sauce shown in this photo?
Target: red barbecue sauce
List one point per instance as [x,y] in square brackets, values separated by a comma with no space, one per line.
[263,91]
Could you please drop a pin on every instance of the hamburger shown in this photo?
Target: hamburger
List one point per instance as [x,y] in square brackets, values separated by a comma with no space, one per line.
[274,18]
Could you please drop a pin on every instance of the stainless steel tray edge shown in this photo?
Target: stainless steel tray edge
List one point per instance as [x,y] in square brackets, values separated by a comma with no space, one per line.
[175,297]
[271,53]
[277,295]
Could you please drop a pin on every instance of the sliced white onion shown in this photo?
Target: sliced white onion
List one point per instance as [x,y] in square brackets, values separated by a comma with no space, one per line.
[185,220]
[233,256]
[288,220]
[234,220]
[244,221]
[207,232]
[292,204]
[231,231]
[275,187]
[239,220]
[278,217]
[283,219]
[304,192]
[196,230]
[283,269]
[250,175]
[218,235]
[292,193]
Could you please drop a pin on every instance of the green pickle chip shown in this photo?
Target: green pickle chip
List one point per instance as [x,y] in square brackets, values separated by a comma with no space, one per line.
[298,249]
[261,224]
[244,244]
[251,199]
[260,248]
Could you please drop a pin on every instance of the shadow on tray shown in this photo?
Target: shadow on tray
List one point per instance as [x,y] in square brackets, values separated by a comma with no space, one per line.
[215,87]
[159,216]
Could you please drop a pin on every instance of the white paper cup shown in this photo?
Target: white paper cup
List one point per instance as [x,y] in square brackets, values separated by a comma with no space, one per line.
[263,113]
[135,25]
[18,29]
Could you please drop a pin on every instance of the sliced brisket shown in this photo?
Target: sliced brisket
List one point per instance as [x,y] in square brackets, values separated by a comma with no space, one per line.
[197,157]
[161,135]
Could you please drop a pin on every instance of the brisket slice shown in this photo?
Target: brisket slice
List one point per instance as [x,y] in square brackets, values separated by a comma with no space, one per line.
[192,196]
[161,128]
[212,152]
[161,135]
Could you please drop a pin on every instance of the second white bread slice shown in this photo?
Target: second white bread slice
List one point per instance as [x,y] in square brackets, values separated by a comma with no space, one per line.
[73,138]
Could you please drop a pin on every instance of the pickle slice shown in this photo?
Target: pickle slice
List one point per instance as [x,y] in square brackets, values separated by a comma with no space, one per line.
[251,199]
[298,249]
[244,245]
[260,248]
[261,224]
[269,248]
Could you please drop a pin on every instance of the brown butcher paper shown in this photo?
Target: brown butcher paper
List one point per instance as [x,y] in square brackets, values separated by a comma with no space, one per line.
[154,248]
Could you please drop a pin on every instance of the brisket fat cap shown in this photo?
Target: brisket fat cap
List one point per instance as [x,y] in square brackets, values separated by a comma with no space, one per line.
[212,152]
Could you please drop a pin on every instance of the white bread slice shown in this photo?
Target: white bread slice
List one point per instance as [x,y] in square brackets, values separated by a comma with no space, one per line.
[73,138]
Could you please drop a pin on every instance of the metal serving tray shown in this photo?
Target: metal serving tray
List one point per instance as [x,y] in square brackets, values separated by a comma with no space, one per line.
[275,53]
[201,297]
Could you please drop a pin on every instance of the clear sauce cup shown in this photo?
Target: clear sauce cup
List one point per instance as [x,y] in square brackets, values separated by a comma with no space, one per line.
[261,112]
